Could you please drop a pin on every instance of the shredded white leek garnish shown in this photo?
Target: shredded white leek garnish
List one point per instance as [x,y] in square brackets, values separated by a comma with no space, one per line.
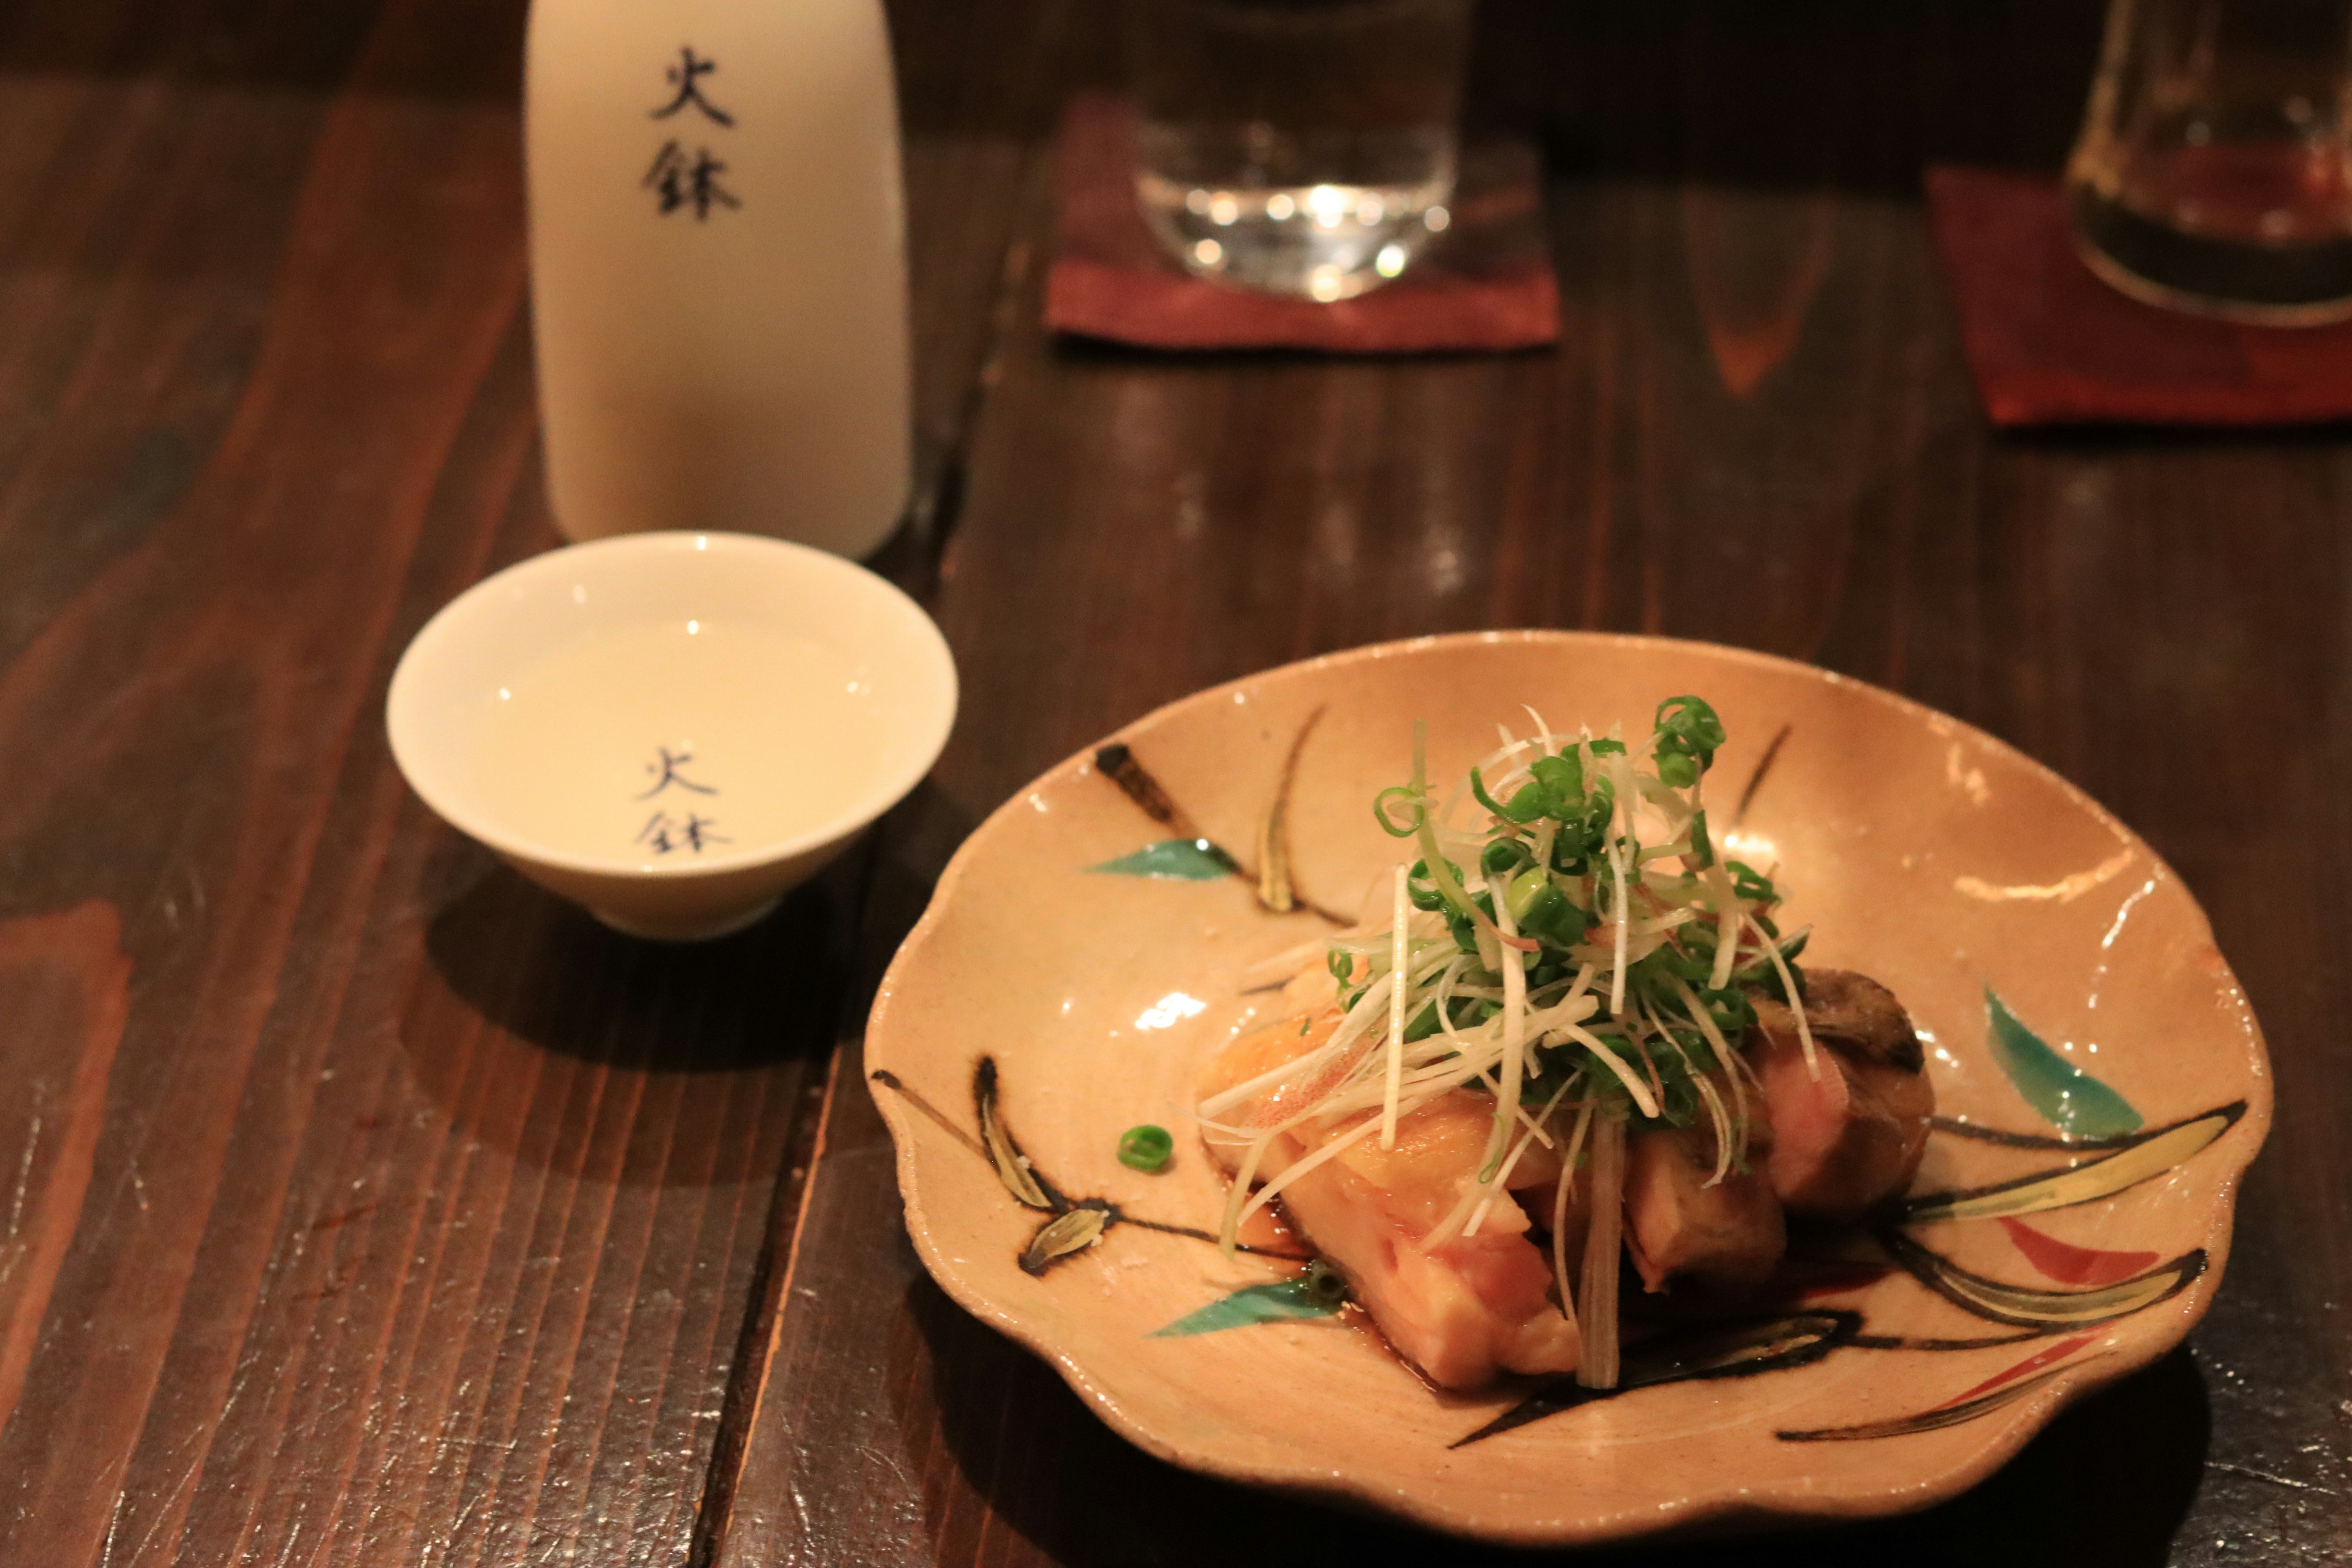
[1563,1191]
[1597,1366]
[1796,999]
[1563,937]
[1400,963]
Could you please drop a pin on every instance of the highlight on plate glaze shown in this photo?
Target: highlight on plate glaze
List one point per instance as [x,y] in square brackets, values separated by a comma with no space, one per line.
[2088,1287]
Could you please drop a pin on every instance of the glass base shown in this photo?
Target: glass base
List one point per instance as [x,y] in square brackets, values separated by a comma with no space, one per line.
[2283,284]
[1324,242]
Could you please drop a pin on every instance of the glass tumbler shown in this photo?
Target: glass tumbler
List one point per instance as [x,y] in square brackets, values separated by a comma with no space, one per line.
[2214,169]
[1296,147]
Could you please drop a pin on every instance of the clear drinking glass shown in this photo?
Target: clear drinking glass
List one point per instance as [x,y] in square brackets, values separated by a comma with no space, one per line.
[2214,171]
[1301,147]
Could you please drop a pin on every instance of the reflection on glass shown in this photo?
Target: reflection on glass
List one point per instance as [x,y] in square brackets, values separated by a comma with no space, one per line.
[1311,142]
[2214,169]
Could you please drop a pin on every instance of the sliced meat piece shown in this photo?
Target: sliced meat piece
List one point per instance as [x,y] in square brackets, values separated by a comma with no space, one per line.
[1850,1137]
[1728,1236]
[1463,1312]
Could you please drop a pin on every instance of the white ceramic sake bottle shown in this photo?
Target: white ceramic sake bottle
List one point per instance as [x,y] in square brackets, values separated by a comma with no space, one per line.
[719,267]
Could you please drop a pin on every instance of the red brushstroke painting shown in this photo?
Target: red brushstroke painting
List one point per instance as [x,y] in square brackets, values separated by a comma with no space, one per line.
[2034,1363]
[2071,1265]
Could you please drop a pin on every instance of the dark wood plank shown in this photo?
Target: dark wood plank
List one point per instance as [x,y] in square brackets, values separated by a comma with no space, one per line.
[363,1206]
[1758,431]
[978,92]
[418,1220]
[360,1204]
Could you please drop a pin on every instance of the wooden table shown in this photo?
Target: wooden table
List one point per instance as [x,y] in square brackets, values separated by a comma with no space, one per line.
[359,1204]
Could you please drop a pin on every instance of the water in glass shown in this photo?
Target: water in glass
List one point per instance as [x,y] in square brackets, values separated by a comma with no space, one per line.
[2214,171]
[1300,147]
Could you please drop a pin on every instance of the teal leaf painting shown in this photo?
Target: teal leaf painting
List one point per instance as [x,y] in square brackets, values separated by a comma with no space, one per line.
[2064,1095]
[1257,1304]
[1191,859]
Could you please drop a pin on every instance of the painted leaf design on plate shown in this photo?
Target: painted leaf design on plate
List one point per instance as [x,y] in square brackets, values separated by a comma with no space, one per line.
[2071,1265]
[1011,1169]
[1057,1238]
[1184,859]
[1927,1420]
[2062,1093]
[2032,1307]
[1276,889]
[2047,1355]
[2150,1156]
[1282,1303]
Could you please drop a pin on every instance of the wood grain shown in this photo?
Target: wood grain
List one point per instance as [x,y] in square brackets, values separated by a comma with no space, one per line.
[1758,430]
[69,981]
[359,1204]
[412,1219]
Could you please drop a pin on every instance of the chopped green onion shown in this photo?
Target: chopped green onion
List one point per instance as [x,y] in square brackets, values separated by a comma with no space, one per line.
[1146,1148]
[1504,856]
[1388,825]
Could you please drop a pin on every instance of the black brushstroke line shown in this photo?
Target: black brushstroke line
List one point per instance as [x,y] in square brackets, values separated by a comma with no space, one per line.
[1276,890]
[1277,834]
[1756,779]
[1928,1420]
[2230,1114]
[1213,1239]
[1702,1356]
[1117,762]
[1981,1341]
[1114,1215]
[984,1098]
[2008,1140]
[1937,1271]
[889,1080]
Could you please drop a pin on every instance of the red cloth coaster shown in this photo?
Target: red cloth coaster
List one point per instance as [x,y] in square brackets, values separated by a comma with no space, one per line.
[1486,283]
[2049,343]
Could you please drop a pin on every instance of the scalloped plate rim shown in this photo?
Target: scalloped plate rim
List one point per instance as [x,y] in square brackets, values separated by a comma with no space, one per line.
[1730,1508]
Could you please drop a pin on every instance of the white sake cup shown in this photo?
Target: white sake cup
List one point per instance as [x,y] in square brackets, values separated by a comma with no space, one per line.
[544,711]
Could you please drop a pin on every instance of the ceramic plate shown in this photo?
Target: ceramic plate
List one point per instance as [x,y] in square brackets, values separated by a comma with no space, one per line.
[2100,1085]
